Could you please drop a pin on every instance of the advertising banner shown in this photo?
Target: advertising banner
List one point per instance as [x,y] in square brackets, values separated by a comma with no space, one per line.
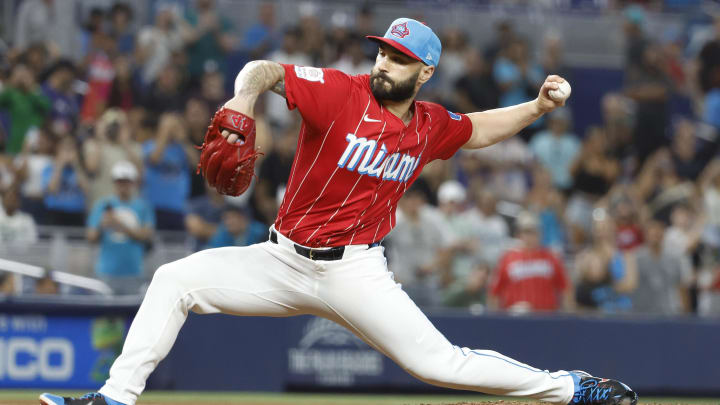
[220,352]
[322,353]
[54,351]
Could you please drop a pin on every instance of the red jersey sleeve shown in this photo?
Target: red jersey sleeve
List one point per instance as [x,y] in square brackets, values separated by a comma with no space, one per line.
[319,94]
[451,133]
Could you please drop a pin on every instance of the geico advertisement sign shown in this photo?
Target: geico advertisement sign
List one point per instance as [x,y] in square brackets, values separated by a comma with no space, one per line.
[27,359]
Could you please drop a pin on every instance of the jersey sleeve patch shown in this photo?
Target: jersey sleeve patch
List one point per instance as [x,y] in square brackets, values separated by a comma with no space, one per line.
[311,74]
[454,116]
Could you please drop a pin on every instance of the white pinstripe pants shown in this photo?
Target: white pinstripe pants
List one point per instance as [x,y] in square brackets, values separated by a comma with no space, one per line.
[357,292]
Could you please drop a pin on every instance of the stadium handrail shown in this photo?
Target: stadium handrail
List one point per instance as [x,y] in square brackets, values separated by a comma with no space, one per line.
[61,277]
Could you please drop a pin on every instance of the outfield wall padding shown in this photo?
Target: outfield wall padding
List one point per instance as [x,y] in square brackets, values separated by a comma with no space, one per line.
[70,346]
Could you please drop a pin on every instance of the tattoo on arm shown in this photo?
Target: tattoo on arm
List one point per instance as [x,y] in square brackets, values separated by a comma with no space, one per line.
[260,76]
[279,88]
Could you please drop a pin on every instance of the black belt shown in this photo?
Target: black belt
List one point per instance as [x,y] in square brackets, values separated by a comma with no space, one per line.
[335,253]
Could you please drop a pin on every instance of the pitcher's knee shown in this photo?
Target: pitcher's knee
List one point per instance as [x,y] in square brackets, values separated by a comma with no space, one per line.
[167,277]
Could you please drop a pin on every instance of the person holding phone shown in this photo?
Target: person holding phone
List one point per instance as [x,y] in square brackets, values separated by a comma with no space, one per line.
[122,223]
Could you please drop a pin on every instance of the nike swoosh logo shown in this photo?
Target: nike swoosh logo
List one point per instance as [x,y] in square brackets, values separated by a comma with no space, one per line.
[366,118]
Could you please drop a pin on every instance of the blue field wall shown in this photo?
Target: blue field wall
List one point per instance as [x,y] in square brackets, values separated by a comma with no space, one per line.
[589,85]
[679,357]
[72,347]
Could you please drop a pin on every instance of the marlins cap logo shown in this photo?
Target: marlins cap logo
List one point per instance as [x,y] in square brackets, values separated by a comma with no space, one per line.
[400,30]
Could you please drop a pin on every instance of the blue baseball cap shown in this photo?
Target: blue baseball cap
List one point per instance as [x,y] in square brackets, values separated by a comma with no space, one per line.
[414,39]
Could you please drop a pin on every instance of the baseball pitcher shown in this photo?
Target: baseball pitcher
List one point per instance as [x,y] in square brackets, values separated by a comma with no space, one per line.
[363,141]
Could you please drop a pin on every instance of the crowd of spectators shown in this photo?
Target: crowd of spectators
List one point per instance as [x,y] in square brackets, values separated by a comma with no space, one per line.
[624,217]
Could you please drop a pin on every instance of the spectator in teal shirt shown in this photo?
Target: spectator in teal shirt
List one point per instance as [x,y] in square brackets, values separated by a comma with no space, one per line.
[556,148]
[169,159]
[209,39]
[122,223]
[237,229]
[518,77]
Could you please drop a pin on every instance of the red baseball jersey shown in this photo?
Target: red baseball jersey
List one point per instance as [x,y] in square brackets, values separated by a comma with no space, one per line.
[628,237]
[354,158]
[533,276]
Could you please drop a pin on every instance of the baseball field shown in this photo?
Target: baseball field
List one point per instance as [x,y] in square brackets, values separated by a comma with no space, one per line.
[26,397]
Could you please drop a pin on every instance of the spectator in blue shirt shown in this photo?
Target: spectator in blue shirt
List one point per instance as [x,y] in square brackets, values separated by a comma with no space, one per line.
[58,88]
[65,185]
[556,148]
[262,38]
[168,161]
[204,216]
[121,16]
[237,229]
[607,276]
[517,76]
[122,223]
[711,114]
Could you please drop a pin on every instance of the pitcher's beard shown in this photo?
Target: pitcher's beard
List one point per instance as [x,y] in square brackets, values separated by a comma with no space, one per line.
[397,92]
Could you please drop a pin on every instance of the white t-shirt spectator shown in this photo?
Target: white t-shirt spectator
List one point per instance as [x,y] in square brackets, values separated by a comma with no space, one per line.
[36,164]
[675,242]
[660,279]
[491,232]
[17,229]
[711,202]
[34,23]
[711,199]
[161,44]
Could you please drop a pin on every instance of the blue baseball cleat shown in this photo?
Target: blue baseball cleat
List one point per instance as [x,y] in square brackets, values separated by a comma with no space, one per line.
[92,398]
[591,390]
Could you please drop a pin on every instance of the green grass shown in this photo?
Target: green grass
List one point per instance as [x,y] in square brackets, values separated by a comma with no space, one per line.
[238,398]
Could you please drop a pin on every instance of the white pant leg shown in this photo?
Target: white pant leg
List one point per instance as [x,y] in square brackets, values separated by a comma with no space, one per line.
[364,297]
[261,279]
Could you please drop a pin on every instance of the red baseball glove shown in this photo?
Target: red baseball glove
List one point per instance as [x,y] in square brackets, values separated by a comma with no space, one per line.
[229,167]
